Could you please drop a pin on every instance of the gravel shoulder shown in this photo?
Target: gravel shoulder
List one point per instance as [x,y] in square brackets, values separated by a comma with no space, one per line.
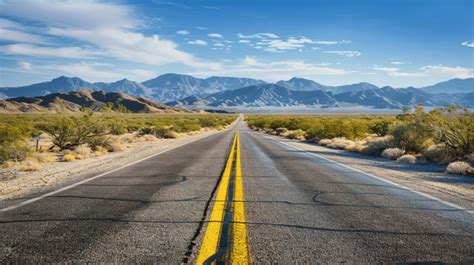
[427,178]
[16,184]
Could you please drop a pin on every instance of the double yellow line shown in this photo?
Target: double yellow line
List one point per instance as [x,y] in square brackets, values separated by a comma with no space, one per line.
[226,233]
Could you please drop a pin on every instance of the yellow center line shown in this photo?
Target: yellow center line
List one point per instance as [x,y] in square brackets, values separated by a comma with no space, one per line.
[238,246]
[240,250]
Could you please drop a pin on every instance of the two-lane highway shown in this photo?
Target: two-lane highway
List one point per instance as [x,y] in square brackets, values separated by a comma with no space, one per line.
[237,196]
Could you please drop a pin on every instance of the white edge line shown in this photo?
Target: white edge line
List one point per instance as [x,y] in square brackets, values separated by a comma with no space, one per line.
[378,178]
[23,203]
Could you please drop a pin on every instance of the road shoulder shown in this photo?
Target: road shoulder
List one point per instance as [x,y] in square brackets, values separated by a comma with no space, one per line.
[15,185]
[429,179]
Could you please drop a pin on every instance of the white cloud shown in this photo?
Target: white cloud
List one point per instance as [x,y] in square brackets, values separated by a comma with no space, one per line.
[276,70]
[42,51]
[219,44]
[111,34]
[182,32]
[25,65]
[258,36]
[459,72]
[387,69]
[439,71]
[88,14]
[346,53]
[271,43]
[12,31]
[198,42]
[397,63]
[468,43]
[215,35]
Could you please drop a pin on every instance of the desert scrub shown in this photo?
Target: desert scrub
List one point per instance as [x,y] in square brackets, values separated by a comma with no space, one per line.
[460,167]
[392,153]
[13,145]
[407,159]
[68,157]
[66,131]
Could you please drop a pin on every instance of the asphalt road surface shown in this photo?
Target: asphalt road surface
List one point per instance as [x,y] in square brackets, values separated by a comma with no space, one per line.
[236,197]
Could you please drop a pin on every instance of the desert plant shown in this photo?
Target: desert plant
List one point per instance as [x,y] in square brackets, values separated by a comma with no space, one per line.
[407,159]
[460,167]
[68,157]
[376,145]
[68,132]
[84,151]
[324,142]
[296,134]
[392,153]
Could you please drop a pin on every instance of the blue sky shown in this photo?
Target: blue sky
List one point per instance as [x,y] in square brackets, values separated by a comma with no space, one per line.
[399,43]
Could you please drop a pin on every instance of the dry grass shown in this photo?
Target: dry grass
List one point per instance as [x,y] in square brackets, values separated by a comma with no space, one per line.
[100,151]
[150,138]
[325,142]
[392,153]
[407,159]
[460,167]
[30,165]
[42,158]
[340,143]
[82,151]
[296,134]
[68,157]
[115,145]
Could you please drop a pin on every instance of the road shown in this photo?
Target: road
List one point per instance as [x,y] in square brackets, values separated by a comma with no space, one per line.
[239,197]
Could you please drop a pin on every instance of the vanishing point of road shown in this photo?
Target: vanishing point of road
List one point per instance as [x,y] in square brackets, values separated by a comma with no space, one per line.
[238,197]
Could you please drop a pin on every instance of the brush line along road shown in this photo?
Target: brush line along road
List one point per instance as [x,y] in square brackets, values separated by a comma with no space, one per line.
[239,197]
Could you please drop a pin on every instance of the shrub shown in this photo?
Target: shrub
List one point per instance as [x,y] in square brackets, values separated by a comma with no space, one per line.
[12,143]
[407,159]
[392,153]
[296,134]
[84,151]
[149,137]
[409,137]
[340,143]
[100,150]
[460,167]
[324,142]
[376,145]
[67,132]
[30,165]
[115,145]
[42,158]
[68,157]
[437,154]
[281,131]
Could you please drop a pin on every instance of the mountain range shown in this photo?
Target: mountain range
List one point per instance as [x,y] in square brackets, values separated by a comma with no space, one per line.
[76,101]
[222,92]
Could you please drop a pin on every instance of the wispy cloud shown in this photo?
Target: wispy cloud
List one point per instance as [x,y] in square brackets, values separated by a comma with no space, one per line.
[182,32]
[42,51]
[25,65]
[349,54]
[258,36]
[198,42]
[15,32]
[468,43]
[215,35]
[458,71]
[429,70]
[274,70]
[112,34]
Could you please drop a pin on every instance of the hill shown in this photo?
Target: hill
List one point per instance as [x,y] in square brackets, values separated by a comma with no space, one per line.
[77,101]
